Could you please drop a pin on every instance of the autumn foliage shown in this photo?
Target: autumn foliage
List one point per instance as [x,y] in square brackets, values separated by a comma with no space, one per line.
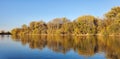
[83,25]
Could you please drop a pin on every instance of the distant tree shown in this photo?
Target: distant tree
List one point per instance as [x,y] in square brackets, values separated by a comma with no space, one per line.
[2,31]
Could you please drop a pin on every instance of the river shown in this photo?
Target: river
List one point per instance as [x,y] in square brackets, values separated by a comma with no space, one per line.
[59,47]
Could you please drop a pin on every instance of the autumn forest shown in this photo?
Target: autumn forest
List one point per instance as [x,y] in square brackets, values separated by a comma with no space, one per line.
[83,25]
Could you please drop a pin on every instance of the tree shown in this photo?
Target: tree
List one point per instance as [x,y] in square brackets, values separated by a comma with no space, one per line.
[2,31]
[67,28]
[41,27]
[24,26]
[32,25]
[112,14]
[16,31]
[113,21]
[54,26]
[86,24]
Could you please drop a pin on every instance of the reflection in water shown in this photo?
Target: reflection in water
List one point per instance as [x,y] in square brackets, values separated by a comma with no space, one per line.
[83,45]
[3,36]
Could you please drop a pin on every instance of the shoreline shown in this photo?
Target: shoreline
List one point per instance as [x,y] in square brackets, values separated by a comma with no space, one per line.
[72,34]
[5,34]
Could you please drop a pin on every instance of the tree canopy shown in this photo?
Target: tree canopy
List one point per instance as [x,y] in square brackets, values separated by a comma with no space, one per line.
[86,24]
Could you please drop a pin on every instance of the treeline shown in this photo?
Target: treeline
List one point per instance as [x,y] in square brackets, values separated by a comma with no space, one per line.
[4,33]
[83,25]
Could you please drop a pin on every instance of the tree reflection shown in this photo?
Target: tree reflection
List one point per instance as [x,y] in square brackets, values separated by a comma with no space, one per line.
[83,45]
[86,45]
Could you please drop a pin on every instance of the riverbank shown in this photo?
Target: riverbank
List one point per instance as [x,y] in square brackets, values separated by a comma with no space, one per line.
[5,33]
[74,34]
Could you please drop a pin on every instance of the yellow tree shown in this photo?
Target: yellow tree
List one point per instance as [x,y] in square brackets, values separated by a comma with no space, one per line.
[86,24]
[113,20]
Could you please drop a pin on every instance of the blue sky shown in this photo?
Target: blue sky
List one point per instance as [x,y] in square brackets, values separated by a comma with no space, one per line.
[14,13]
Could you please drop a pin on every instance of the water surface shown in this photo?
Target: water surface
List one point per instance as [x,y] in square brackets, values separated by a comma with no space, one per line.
[59,47]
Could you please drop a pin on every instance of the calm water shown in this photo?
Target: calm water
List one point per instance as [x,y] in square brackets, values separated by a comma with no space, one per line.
[59,47]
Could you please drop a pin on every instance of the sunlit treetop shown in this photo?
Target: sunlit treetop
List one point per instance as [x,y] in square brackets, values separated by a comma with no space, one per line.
[113,13]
